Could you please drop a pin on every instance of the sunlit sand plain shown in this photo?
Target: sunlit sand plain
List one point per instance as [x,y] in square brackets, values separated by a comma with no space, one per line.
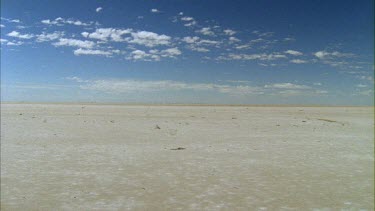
[139,157]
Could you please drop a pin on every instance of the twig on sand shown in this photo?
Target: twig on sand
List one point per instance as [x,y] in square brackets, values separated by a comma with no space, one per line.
[327,120]
[179,148]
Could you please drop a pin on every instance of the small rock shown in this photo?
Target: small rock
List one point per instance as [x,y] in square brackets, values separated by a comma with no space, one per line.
[157,127]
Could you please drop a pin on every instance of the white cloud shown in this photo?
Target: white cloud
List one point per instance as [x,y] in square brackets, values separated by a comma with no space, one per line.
[289,39]
[229,32]
[76,79]
[180,13]
[11,20]
[106,34]
[19,35]
[98,9]
[368,92]
[234,39]
[206,31]
[133,86]
[149,39]
[317,84]
[286,86]
[154,10]
[74,43]
[330,55]
[294,53]
[198,49]
[190,24]
[361,85]
[44,37]
[298,61]
[272,56]
[2,26]
[170,52]
[187,18]
[154,55]
[190,40]
[246,46]
[61,21]
[81,51]
[263,34]
[199,45]
[10,43]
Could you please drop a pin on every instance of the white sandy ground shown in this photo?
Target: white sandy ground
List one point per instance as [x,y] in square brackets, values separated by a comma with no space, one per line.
[111,157]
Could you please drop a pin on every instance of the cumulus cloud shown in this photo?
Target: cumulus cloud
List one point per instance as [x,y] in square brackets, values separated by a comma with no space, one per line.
[229,32]
[272,56]
[330,55]
[190,40]
[206,31]
[45,37]
[155,10]
[98,9]
[361,85]
[294,53]
[2,26]
[106,34]
[240,47]
[190,20]
[149,39]
[154,54]
[198,49]
[298,61]
[74,43]
[19,35]
[334,59]
[10,43]
[234,39]
[11,20]
[81,51]
[187,18]
[190,24]
[200,45]
[62,21]
[146,38]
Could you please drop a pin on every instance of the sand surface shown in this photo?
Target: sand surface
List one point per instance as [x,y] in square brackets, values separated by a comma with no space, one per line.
[117,157]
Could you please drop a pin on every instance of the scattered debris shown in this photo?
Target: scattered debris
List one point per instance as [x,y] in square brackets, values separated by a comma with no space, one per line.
[179,148]
[157,127]
[113,121]
[234,117]
[303,121]
[21,114]
[277,125]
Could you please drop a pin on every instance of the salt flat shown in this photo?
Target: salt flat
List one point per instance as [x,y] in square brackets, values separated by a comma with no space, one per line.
[119,157]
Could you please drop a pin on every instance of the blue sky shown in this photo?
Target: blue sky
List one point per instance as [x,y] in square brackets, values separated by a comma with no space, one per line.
[227,52]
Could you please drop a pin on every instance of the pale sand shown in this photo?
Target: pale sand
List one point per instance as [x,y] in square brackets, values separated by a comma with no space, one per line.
[103,157]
